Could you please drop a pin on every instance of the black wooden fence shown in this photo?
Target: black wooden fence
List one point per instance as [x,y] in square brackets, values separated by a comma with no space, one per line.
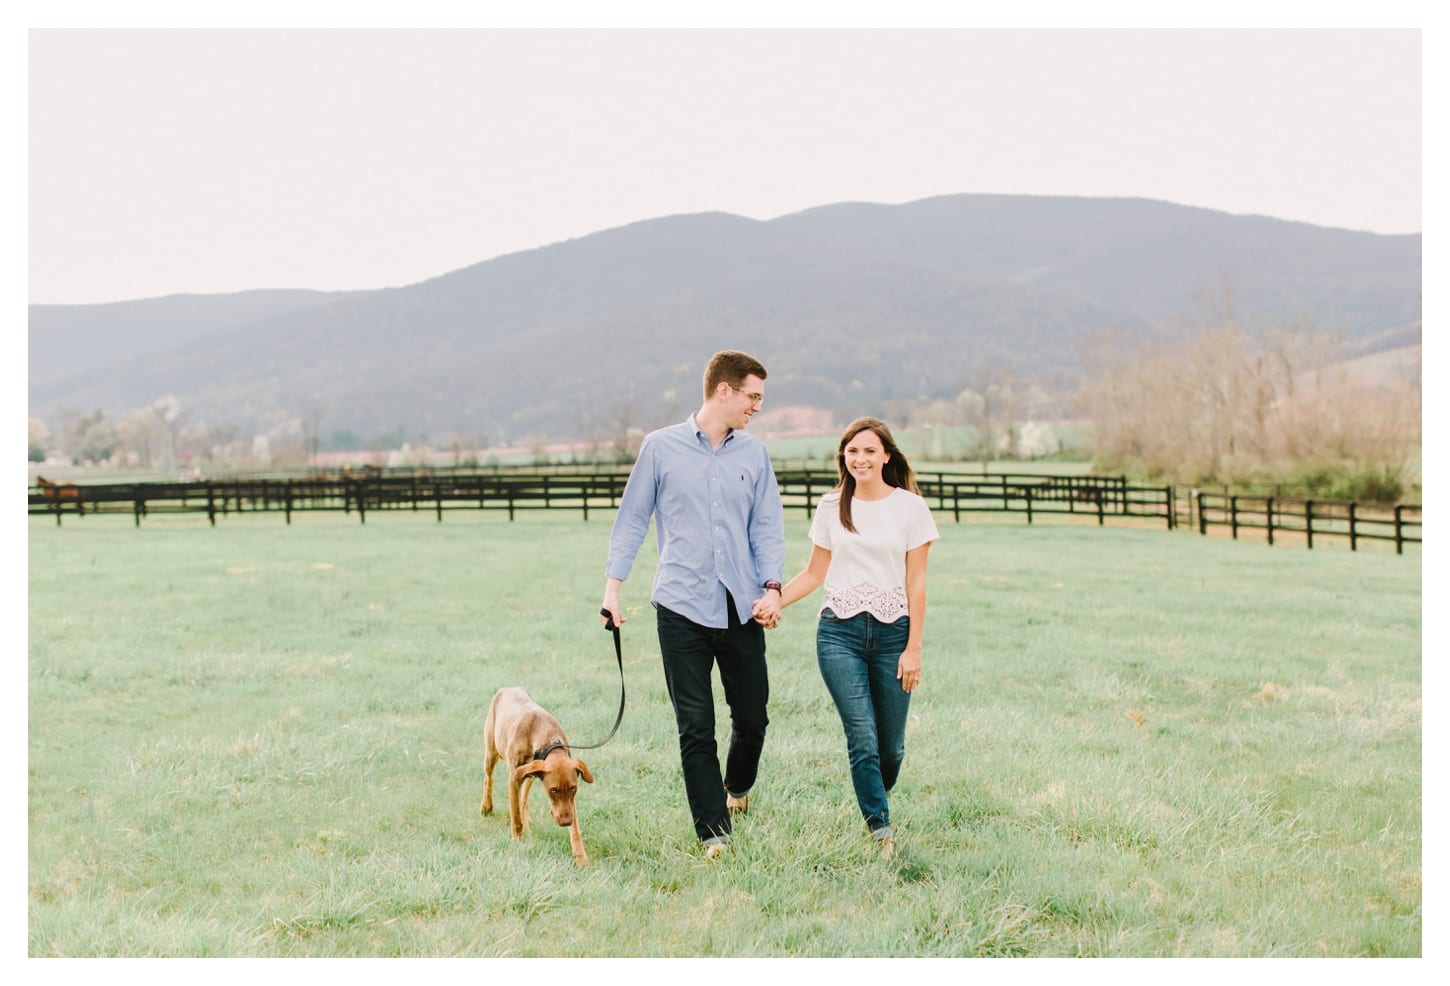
[1309,519]
[1093,498]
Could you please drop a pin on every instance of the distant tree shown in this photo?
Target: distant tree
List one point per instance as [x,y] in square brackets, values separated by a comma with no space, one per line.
[141,435]
[1222,405]
[39,440]
[990,407]
[342,440]
[167,409]
[221,443]
[95,439]
[311,418]
[396,438]
[624,436]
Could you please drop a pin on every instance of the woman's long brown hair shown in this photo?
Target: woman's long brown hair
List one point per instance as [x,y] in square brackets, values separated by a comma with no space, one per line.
[896,472]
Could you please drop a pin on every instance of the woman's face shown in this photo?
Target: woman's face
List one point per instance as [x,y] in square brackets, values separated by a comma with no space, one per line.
[865,455]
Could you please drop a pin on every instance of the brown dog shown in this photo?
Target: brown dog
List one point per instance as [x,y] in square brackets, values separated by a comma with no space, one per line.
[521,733]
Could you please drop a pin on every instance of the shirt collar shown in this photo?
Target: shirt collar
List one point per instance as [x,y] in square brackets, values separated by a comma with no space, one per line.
[701,434]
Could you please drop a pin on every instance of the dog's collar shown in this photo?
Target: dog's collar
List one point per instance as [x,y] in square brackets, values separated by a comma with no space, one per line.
[543,752]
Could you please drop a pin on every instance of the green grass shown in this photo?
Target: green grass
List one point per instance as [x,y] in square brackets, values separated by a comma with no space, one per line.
[261,740]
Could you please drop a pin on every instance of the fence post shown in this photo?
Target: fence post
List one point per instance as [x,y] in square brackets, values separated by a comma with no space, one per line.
[1028,490]
[1309,523]
[1005,504]
[956,503]
[1269,517]
[1100,498]
[1170,506]
[1195,504]
[210,504]
[1233,515]
[287,500]
[1353,531]
[1399,530]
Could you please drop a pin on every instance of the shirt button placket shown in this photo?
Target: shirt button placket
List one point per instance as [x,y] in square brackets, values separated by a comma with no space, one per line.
[715,518]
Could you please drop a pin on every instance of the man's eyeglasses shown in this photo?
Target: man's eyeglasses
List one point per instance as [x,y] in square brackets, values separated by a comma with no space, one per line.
[755,399]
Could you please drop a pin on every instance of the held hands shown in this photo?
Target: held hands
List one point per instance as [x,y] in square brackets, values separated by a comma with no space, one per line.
[766,610]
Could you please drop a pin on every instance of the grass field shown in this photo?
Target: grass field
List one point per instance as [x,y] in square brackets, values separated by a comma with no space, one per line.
[261,740]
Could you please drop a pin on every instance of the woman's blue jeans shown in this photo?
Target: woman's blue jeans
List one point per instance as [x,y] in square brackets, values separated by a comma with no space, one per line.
[858,658]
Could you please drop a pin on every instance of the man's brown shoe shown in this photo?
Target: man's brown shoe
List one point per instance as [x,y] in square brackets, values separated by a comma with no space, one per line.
[737,806]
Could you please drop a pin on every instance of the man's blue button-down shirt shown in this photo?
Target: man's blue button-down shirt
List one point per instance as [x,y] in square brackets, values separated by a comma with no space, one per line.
[718,522]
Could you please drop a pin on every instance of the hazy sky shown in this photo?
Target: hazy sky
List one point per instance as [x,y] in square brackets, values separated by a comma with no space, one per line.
[166,161]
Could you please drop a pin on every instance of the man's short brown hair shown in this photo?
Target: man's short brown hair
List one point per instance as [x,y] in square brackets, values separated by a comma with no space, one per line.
[732,367]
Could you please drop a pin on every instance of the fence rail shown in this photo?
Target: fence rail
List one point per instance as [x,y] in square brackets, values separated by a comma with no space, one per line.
[1310,519]
[1090,497]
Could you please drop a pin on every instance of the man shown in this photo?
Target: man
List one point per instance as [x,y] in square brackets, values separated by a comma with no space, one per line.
[720,531]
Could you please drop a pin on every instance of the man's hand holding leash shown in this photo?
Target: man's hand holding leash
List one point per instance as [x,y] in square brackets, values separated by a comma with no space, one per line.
[610,611]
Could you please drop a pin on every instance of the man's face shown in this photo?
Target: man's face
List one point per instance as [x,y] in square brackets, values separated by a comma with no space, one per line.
[743,402]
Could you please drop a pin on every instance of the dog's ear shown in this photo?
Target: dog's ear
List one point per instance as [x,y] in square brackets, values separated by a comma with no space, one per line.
[584,771]
[531,769]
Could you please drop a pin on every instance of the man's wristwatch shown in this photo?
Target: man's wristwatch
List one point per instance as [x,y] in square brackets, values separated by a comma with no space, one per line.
[772,585]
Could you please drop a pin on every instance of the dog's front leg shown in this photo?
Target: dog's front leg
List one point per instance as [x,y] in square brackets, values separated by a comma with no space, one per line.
[517,819]
[576,844]
[491,761]
[524,803]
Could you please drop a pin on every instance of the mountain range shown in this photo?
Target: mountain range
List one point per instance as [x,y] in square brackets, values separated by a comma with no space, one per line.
[848,305]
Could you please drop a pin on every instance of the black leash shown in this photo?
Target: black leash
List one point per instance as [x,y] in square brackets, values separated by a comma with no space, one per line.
[619,658]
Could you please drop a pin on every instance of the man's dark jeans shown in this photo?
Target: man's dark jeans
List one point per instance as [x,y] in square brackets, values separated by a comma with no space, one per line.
[689,650]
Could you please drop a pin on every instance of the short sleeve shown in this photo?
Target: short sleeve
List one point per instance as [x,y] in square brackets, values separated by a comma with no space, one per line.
[821,525]
[922,527]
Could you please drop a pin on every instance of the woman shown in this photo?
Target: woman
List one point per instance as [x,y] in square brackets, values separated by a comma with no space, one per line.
[869,538]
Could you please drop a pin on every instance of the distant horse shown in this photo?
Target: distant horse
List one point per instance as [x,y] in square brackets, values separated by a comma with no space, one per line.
[58,494]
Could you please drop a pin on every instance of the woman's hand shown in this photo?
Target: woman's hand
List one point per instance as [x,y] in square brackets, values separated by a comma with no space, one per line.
[908,668]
